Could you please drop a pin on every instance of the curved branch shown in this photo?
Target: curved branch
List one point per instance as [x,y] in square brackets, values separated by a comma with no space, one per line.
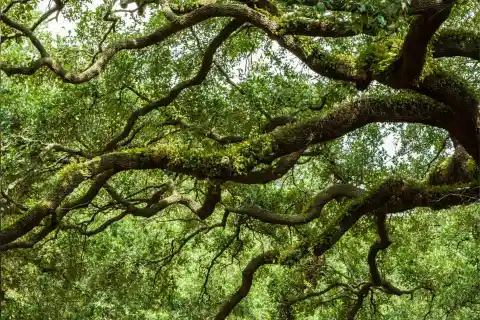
[97,230]
[406,69]
[382,244]
[59,148]
[319,201]
[245,156]
[35,215]
[335,68]
[394,196]
[203,211]
[464,124]
[213,196]
[168,98]
[56,8]
[159,35]
[387,198]
[247,281]
[26,31]
[236,162]
[361,294]
[274,123]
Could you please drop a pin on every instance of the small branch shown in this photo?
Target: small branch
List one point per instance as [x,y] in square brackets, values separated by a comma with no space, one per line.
[15,204]
[382,244]
[223,140]
[168,258]
[97,230]
[155,205]
[167,99]
[227,244]
[26,31]
[59,148]
[439,152]
[361,295]
[57,8]
[247,280]
[294,300]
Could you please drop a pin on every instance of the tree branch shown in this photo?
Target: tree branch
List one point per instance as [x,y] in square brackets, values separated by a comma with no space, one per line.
[456,43]
[168,98]
[247,280]
[387,198]
[315,209]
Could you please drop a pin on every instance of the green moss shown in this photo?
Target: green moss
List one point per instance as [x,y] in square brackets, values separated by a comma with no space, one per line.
[451,171]
[237,159]
[307,44]
[447,80]
[444,166]
[471,166]
[71,168]
[66,175]
[378,56]
[457,35]
[45,204]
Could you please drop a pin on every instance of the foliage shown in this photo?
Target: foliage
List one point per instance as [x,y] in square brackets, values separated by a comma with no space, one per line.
[249,159]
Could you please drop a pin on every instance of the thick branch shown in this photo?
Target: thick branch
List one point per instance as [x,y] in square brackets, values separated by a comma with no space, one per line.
[408,67]
[245,156]
[457,43]
[387,198]
[464,124]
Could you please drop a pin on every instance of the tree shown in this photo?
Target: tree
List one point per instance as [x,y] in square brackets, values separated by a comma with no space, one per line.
[232,158]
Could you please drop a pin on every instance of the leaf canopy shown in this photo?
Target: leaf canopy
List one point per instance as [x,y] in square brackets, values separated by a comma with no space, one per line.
[242,159]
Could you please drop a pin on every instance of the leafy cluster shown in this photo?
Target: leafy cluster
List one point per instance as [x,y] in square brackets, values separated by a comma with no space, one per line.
[241,159]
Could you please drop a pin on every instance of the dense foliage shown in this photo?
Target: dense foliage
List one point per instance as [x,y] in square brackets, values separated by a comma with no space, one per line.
[249,159]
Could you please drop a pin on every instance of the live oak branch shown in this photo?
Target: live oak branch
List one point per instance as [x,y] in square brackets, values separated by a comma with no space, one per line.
[422,93]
